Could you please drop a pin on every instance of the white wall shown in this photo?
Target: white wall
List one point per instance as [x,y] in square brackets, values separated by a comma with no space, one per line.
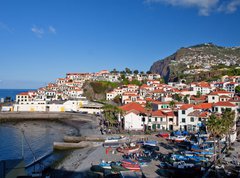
[133,121]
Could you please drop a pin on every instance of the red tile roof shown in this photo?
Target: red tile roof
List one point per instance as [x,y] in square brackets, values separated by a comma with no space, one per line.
[23,93]
[204,114]
[170,114]
[203,106]
[158,113]
[203,84]
[133,106]
[224,103]
[186,106]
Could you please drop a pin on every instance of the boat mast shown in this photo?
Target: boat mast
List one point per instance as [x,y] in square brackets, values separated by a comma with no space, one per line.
[22,143]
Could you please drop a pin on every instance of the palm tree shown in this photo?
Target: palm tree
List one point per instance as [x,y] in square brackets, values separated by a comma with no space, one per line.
[111,112]
[228,121]
[214,126]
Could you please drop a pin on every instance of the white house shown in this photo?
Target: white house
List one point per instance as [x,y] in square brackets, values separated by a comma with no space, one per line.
[183,113]
[134,117]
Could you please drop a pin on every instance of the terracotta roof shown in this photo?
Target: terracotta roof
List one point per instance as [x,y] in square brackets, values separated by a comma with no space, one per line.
[224,103]
[158,113]
[195,113]
[203,106]
[219,92]
[23,93]
[158,91]
[186,106]
[170,113]
[204,114]
[149,99]
[133,106]
[203,84]
[235,99]
[224,96]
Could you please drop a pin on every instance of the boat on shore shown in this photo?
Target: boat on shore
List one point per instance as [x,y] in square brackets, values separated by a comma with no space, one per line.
[115,139]
[177,139]
[129,149]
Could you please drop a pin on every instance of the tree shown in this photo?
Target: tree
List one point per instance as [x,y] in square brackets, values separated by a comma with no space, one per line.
[128,71]
[217,128]
[185,99]
[213,126]
[8,99]
[111,112]
[172,104]
[228,121]
[237,89]
[198,94]
[142,72]
[148,72]
[135,72]
[177,97]
[114,71]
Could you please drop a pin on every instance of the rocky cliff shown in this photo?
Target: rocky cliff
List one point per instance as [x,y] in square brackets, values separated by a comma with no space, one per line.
[197,62]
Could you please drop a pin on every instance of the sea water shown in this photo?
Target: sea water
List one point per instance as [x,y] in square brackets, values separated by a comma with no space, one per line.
[32,140]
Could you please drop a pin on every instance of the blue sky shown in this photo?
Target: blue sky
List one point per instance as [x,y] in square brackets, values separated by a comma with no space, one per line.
[41,40]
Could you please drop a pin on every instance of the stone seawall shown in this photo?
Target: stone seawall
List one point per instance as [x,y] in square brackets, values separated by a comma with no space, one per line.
[8,116]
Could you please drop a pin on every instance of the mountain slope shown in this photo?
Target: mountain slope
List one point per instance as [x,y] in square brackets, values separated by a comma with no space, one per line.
[196,60]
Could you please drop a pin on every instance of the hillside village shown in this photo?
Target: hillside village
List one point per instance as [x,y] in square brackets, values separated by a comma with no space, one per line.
[150,106]
[188,62]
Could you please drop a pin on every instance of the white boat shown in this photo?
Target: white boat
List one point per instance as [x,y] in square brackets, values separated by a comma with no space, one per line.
[177,138]
[182,165]
[115,139]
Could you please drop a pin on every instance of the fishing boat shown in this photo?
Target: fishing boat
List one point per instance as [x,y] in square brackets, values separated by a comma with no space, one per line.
[182,165]
[115,139]
[105,165]
[177,139]
[150,143]
[201,148]
[128,161]
[129,149]
[132,167]
[118,168]
[163,135]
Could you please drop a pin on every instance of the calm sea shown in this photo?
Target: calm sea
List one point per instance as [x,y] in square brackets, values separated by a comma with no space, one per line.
[11,92]
[37,141]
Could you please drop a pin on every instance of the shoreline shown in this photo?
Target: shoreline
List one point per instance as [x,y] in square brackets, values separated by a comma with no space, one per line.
[87,125]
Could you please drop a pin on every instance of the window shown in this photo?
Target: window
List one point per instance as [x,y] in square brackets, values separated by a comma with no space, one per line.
[149,120]
[183,111]
[170,119]
[216,109]
[143,119]
[192,119]
[158,126]
[213,98]
[156,119]
[199,119]
[161,119]
[183,120]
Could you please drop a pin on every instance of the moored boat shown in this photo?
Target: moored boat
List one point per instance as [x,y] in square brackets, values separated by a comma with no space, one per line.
[115,139]
[133,167]
[128,150]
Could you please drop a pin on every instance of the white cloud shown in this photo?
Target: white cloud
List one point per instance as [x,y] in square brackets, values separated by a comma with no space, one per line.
[205,7]
[230,7]
[37,31]
[5,27]
[51,29]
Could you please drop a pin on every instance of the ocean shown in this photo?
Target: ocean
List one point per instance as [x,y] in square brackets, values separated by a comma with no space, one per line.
[36,142]
[12,93]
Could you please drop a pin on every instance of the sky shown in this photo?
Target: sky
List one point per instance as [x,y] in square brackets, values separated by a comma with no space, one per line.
[42,40]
